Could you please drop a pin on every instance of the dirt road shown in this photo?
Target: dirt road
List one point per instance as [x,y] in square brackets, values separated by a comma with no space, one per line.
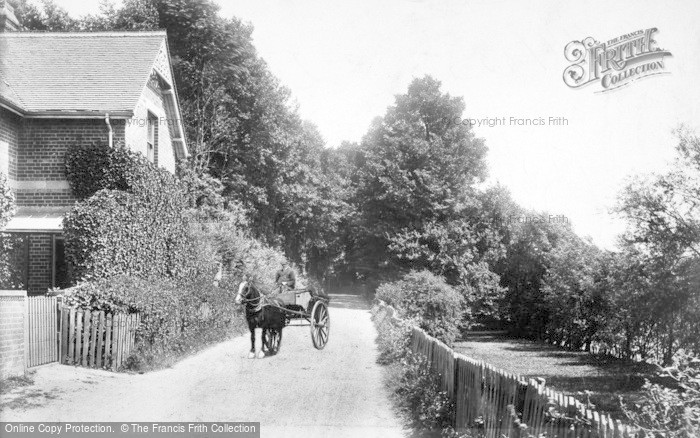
[301,391]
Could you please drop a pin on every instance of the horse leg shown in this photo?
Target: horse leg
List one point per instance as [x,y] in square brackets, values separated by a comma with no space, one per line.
[251,355]
[261,353]
[267,334]
[281,323]
[279,340]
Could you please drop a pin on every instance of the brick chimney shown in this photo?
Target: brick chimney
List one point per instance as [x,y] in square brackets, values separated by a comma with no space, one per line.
[8,21]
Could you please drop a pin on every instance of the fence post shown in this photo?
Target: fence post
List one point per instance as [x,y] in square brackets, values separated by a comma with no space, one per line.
[108,341]
[26,332]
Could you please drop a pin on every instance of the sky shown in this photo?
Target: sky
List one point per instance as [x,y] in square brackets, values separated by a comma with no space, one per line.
[344,62]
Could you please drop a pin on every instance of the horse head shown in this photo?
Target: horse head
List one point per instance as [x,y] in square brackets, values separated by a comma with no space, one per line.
[248,294]
[243,291]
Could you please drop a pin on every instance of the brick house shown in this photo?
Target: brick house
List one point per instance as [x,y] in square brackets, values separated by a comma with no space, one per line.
[61,89]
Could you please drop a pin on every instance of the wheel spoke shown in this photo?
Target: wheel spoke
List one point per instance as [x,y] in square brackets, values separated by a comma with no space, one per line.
[320,324]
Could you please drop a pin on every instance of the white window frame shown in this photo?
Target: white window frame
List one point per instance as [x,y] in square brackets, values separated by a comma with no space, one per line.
[151,122]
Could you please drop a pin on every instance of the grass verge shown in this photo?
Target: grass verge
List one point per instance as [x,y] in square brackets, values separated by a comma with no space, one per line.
[599,380]
[426,409]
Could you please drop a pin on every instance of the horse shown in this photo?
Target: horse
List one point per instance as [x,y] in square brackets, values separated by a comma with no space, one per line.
[260,314]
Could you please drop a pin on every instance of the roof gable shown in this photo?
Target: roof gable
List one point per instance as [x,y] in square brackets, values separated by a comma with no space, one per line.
[63,73]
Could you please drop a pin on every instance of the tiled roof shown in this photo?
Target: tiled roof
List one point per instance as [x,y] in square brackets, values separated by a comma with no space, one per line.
[76,72]
[8,94]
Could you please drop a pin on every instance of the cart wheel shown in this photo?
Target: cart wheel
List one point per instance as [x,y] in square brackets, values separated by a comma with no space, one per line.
[273,339]
[320,325]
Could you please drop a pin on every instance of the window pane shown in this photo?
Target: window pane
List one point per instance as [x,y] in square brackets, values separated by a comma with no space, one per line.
[151,130]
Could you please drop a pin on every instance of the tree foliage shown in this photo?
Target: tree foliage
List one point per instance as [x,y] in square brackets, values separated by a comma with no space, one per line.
[241,126]
[425,297]
[409,196]
[418,168]
[8,275]
[663,240]
[131,219]
[7,201]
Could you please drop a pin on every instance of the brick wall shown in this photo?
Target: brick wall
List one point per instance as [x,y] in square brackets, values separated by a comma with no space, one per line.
[39,278]
[44,142]
[12,332]
[9,140]
[41,157]
[41,197]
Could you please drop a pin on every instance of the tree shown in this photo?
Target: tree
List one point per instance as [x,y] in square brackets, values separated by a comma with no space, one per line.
[664,210]
[663,213]
[418,168]
[576,300]
[241,127]
[523,271]
[48,16]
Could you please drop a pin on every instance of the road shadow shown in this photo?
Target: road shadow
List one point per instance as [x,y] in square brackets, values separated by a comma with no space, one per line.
[348,301]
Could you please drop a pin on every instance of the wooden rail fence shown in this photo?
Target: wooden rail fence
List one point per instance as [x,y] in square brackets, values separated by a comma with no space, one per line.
[97,339]
[42,333]
[486,395]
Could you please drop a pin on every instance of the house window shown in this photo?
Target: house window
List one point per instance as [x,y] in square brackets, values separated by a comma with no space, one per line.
[152,138]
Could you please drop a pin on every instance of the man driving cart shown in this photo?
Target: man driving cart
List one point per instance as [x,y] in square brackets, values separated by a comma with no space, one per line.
[285,278]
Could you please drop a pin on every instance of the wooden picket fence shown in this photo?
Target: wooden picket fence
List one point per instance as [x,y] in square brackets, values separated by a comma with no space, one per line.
[97,339]
[42,330]
[495,399]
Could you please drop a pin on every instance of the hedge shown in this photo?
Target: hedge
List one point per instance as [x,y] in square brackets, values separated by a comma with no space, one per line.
[147,242]
[176,316]
[9,277]
[425,297]
[131,219]
[95,166]
[226,236]
[7,201]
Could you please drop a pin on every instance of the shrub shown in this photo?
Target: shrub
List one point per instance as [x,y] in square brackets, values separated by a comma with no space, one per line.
[434,304]
[131,220]
[393,336]
[12,252]
[242,255]
[7,201]
[96,166]
[668,412]
[415,385]
[420,396]
[203,191]
[8,276]
[176,318]
[115,232]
